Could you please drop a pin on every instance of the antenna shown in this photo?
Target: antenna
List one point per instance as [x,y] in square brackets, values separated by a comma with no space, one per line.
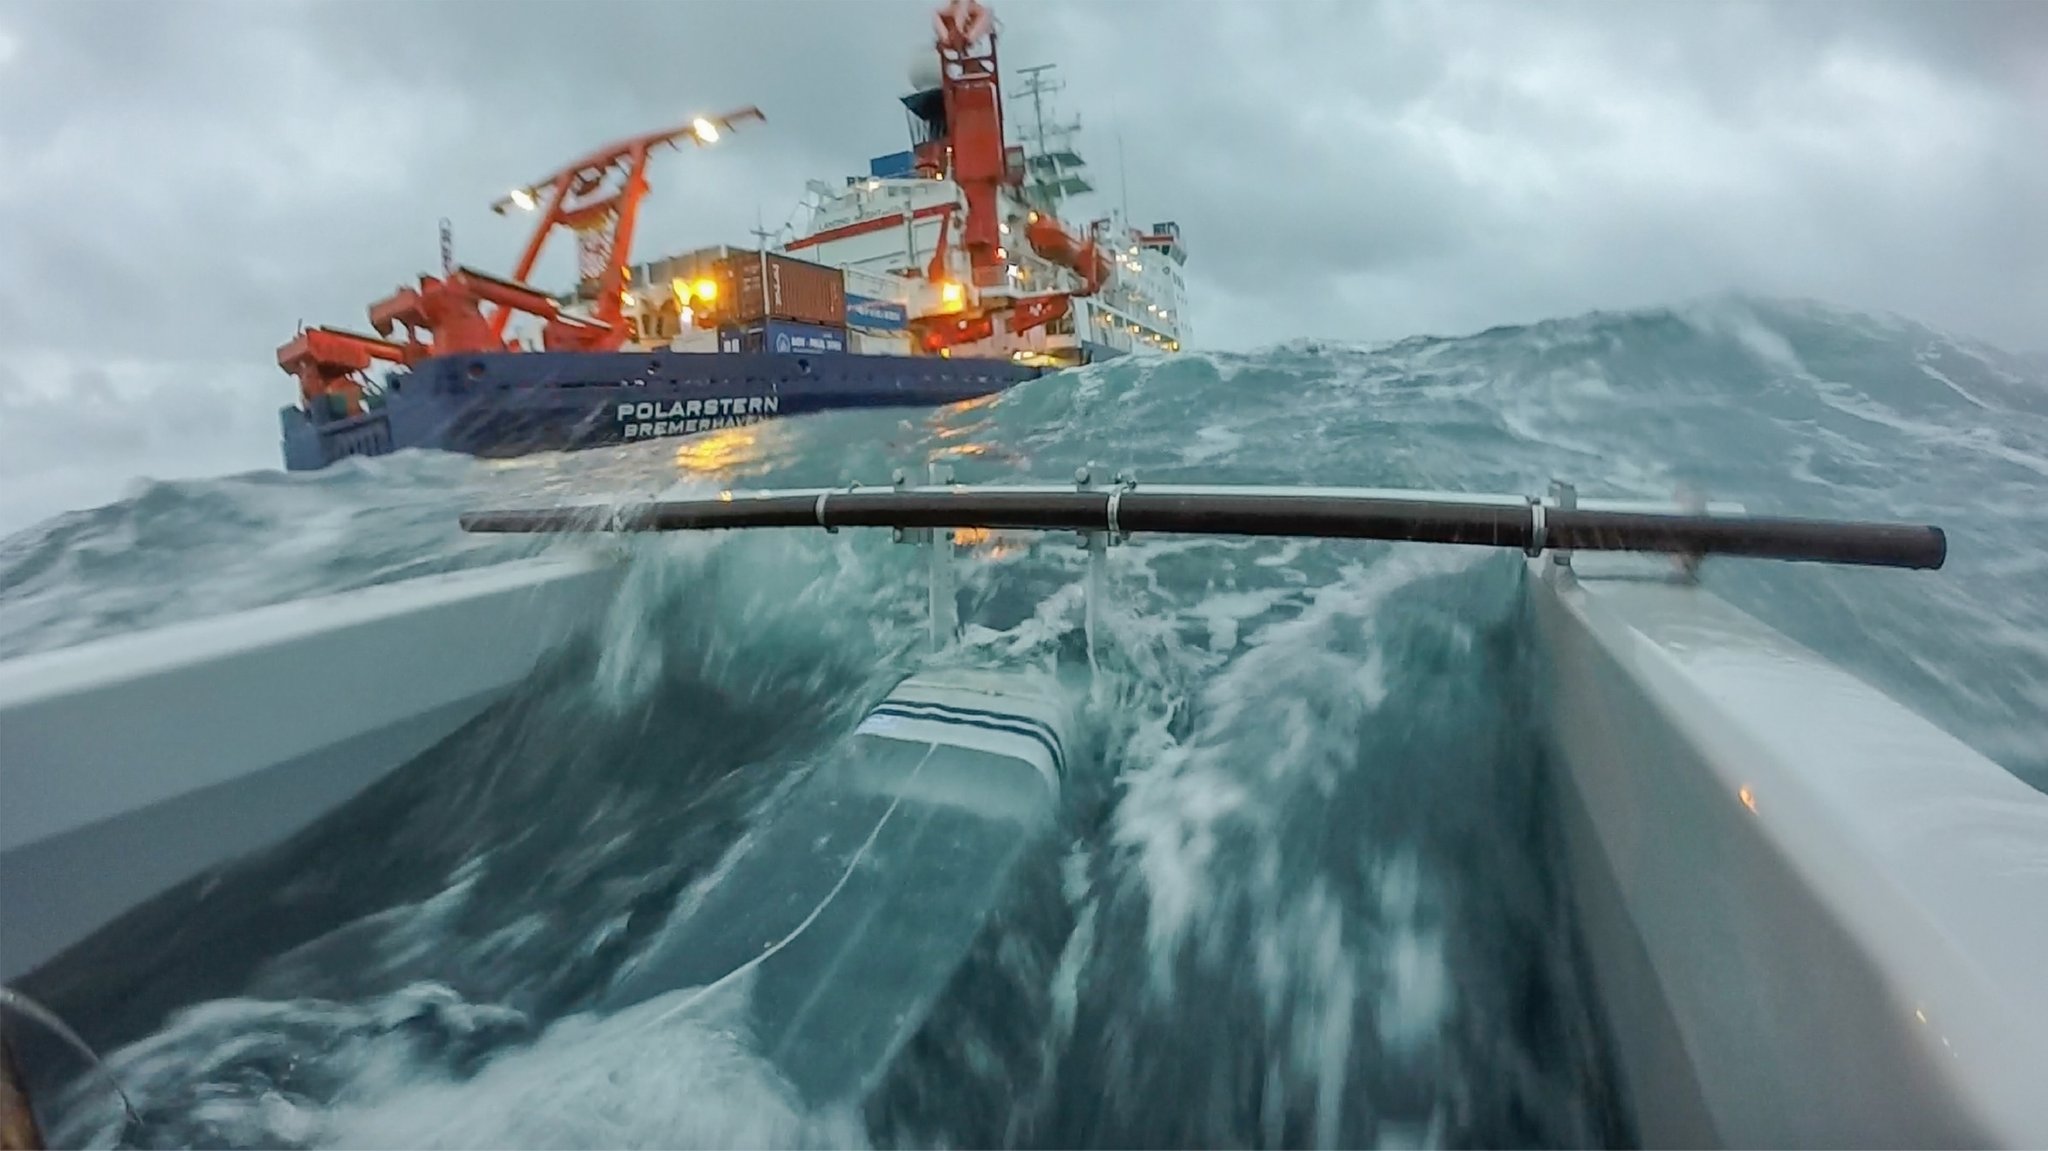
[1054,166]
[1037,86]
[447,247]
[761,235]
[1123,183]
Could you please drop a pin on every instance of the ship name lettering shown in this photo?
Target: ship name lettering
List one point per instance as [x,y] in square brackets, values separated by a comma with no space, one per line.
[648,411]
[649,429]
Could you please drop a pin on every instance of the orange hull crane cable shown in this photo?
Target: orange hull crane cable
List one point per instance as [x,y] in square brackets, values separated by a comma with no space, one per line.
[598,198]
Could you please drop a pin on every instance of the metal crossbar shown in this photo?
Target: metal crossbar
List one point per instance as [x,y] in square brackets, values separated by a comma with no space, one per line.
[1532,524]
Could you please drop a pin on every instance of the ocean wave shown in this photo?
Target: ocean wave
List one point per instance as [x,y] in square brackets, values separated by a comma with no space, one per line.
[1301,881]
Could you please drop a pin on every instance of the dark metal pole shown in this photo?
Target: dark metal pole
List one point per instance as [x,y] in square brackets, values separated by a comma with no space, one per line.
[1763,537]
[1222,513]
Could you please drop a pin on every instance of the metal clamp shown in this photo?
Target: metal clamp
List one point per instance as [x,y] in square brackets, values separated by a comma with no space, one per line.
[1690,501]
[1536,529]
[1567,497]
[820,509]
[1125,481]
[899,480]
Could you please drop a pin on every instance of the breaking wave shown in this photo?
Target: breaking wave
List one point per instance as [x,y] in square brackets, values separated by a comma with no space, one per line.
[1300,892]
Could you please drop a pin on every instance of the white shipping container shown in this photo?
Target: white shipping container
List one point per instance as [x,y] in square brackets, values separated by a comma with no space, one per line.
[872,344]
[877,286]
[695,339]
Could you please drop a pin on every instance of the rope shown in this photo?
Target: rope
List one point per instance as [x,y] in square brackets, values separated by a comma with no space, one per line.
[800,928]
[43,1015]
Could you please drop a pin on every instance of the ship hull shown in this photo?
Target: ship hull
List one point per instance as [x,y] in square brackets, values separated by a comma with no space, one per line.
[517,403]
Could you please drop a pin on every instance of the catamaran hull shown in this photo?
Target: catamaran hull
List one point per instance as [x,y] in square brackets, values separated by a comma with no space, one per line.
[513,404]
[132,763]
[1813,918]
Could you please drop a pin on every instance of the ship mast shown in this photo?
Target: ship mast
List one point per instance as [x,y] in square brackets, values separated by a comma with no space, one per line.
[1037,87]
[1053,167]
[761,237]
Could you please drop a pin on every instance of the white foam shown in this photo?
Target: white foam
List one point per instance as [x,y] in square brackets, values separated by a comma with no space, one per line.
[646,1077]
[1212,441]
[1931,372]
[1415,989]
[1272,707]
[1223,611]
[1730,318]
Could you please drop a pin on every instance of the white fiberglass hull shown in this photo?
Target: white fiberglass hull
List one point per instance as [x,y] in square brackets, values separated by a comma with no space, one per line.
[133,763]
[1814,918]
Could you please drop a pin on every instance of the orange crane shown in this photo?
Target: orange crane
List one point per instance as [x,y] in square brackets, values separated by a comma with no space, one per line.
[444,315]
[331,362]
[971,88]
[978,162]
[584,198]
[449,308]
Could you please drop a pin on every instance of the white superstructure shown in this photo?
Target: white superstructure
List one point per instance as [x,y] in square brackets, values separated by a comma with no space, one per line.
[887,226]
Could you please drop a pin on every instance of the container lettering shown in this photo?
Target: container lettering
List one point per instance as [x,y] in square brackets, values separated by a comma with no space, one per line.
[884,315]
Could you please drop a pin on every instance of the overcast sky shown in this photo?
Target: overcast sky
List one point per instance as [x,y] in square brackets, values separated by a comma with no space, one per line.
[182,182]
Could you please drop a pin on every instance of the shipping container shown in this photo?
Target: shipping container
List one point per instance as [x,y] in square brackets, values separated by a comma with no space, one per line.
[876,285]
[795,290]
[689,267]
[694,340]
[878,344]
[782,337]
[870,315]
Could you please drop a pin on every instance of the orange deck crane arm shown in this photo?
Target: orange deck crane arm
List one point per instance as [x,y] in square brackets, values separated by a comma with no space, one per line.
[331,361]
[605,186]
[450,308]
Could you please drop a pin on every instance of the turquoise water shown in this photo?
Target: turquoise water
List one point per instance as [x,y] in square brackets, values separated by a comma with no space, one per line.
[1300,894]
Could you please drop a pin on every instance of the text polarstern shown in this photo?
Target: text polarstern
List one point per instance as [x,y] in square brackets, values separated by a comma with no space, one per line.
[649,418]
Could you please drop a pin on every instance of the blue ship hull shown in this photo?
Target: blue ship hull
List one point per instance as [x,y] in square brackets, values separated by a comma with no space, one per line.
[515,403]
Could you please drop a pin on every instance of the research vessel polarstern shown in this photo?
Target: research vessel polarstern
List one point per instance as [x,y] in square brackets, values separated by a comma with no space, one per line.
[945,273]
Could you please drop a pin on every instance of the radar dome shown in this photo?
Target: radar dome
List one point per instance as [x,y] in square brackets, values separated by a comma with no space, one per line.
[924,69]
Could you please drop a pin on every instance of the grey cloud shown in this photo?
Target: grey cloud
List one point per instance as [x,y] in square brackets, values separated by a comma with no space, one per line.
[1485,162]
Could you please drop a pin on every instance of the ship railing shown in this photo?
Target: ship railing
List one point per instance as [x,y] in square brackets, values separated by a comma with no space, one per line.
[1105,513]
